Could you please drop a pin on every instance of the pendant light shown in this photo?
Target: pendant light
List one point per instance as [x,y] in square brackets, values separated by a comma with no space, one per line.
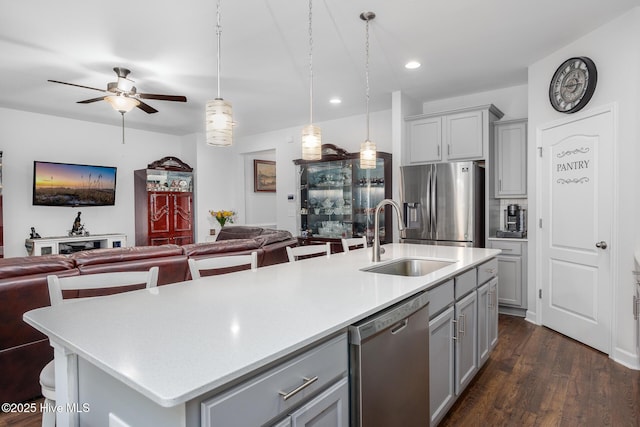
[311,135]
[218,114]
[367,148]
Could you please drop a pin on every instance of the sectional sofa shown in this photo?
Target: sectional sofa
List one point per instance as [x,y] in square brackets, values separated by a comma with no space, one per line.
[23,287]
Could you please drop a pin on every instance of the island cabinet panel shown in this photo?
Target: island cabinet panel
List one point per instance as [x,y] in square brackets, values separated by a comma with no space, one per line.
[442,391]
[466,341]
[281,390]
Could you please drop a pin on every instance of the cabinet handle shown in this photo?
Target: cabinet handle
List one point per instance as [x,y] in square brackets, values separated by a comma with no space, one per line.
[455,329]
[448,149]
[500,184]
[490,298]
[463,326]
[438,151]
[636,300]
[305,383]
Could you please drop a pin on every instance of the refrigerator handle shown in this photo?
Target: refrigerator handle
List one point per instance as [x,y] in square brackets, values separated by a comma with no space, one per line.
[428,218]
[434,198]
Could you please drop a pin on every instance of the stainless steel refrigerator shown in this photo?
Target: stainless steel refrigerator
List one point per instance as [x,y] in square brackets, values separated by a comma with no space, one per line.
[444,203]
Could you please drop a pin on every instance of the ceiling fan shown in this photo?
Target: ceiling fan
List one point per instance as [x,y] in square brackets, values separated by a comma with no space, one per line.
[123,95]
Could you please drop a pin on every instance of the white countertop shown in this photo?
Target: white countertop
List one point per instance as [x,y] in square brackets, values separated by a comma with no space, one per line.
[178,341]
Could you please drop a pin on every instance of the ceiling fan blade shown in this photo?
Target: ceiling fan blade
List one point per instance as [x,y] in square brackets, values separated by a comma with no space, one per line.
[178,98]
[73,84]
[147,108]
[89,101]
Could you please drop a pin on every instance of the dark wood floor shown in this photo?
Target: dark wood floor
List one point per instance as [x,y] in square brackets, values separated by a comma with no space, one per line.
[535,377]
[538,377]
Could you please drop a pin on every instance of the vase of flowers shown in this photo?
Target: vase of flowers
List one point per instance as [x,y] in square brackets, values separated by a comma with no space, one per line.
[223,217]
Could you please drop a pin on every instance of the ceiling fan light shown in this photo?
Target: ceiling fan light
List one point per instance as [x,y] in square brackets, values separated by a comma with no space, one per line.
[311,143]
[367,155]
[219,123]
[122,104]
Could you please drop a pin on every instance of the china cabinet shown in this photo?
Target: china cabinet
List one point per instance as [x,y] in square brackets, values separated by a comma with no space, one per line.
[337,198]
[164,203]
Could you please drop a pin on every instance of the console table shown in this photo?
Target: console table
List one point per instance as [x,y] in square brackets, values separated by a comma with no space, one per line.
[71,244]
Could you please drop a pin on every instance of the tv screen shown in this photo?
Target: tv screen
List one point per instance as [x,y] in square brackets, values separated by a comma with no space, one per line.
[64,184]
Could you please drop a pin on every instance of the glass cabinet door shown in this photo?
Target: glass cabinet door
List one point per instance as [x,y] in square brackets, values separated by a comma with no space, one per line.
[326,198]
[368,191]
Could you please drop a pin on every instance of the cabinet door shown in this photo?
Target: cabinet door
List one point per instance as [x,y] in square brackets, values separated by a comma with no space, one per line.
[159,213]
[182,215]
[425,140]
[493,313]
[511,160]
[466,340]
[464,136]
[510,278]
[329,409]
[484,301]
[441,365]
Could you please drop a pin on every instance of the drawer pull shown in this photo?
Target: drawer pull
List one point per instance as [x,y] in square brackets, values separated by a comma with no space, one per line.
[306,383]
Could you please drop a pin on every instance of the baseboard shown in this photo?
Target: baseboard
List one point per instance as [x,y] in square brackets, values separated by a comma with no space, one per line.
[512,311]
[625,358]
[532,317]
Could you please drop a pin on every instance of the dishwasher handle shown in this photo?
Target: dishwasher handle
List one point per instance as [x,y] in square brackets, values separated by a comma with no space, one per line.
[387,319]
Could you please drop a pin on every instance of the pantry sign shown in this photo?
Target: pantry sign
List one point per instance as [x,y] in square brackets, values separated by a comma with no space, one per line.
[573,163]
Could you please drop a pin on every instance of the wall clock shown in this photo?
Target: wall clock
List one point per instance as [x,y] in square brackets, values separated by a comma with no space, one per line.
[573,84]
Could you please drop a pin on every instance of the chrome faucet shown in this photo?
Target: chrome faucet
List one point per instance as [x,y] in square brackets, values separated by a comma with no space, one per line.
[376,233]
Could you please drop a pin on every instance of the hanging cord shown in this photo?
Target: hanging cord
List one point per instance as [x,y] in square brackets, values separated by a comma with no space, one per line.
[218,34]
[310,62]
[366,67]
[122,126]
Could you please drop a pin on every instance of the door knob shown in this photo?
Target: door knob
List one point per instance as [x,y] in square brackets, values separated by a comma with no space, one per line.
[601,245]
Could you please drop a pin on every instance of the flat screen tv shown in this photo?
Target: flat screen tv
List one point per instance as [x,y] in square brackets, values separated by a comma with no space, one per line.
[65,184]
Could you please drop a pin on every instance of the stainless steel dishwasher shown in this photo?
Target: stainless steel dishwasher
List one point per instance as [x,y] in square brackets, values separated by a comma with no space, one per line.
[389,366]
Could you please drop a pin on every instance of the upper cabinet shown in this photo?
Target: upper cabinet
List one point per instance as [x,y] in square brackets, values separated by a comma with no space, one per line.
[511,159]
[451,136]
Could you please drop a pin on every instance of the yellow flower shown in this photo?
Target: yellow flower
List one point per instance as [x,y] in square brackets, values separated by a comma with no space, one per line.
[223,216]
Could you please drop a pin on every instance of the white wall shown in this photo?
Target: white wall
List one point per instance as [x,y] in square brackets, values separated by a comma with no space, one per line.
[28,136]
[229,163]
[512,101]
[613,47]
[260,207]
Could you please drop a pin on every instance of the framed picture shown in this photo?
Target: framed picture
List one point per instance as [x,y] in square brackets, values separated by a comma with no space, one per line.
[264,176]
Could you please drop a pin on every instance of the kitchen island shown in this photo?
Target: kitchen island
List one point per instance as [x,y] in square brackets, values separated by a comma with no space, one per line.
[151,356]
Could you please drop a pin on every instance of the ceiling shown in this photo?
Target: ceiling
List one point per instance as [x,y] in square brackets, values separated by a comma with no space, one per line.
[465,46]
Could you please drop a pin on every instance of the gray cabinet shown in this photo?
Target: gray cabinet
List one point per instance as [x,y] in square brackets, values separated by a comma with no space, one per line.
[426,137]
[456,135]
[288,390]
[512,276]
[466,341]
[487,319]
[441,365]
[511,159]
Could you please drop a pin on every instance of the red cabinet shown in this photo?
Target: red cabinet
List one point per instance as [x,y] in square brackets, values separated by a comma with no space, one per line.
[170,218]
[164,203]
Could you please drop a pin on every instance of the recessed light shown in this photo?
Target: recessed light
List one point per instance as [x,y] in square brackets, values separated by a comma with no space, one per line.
[335,101]
[412,65]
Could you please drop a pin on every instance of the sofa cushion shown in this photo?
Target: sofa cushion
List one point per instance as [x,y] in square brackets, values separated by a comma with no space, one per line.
[270,236]
[110,256]
[26,266]
[238,232]
[218,247]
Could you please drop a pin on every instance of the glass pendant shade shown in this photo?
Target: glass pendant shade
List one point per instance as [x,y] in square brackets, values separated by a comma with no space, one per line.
[311,143]
[122,104]
[219,123]
[367,155]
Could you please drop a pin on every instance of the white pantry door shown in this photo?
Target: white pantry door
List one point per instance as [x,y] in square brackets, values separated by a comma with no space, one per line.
[577,203]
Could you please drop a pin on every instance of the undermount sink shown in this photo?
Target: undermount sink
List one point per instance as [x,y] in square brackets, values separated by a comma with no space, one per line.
[409,267]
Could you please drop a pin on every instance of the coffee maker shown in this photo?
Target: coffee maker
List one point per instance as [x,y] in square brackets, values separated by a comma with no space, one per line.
[515,222]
